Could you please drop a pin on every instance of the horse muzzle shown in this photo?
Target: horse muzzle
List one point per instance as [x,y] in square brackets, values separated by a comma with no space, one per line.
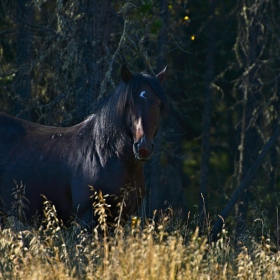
[142,150]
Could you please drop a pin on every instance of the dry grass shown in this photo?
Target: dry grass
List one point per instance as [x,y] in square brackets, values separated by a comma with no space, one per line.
[130,252]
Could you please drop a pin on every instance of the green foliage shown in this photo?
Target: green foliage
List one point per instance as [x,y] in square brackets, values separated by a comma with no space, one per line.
[146,7]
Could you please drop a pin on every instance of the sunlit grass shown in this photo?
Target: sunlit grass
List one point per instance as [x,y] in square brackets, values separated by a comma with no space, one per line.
[163,250]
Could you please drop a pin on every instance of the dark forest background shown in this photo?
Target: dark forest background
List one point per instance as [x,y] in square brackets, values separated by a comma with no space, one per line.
[217,150]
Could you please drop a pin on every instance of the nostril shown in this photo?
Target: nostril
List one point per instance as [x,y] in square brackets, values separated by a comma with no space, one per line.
[143,153]
[143,150]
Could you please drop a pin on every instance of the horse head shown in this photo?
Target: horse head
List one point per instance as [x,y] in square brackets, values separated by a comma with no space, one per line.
[144,112]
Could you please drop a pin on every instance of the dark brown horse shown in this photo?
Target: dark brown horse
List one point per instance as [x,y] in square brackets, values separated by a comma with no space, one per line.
[106,151]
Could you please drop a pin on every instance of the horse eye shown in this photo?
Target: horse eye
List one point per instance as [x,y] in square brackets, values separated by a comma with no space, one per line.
[160,105]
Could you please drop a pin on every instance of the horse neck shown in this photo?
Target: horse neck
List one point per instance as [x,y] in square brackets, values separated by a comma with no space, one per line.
[108,136]
[111,144]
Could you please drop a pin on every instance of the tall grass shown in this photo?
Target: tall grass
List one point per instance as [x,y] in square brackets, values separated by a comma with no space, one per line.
[163,250]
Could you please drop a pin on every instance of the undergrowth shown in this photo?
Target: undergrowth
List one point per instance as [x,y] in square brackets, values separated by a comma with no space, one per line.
[166,249]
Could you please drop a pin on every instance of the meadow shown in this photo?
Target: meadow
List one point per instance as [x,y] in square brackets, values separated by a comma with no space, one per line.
[167,249]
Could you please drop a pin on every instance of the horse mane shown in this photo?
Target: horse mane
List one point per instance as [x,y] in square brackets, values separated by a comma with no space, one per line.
[105,127]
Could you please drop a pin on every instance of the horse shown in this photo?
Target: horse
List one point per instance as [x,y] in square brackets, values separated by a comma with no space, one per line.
[106,151]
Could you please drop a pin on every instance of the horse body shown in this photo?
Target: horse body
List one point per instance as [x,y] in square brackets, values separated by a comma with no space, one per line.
[106,151]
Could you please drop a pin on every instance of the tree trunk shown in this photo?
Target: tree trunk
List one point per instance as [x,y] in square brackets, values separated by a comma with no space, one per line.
[249,134]
[94,33]
[24,18]
[206,121]
[153,170]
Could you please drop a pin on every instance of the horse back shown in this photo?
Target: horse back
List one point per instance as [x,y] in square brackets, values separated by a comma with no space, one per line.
[21,140]
[12,132]
[11,129]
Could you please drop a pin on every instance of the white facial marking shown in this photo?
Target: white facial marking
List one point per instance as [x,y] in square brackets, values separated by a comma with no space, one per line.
[142,94]
[139,128]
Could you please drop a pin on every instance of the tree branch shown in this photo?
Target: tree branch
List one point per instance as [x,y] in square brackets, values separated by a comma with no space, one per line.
[5,32]
[245,183]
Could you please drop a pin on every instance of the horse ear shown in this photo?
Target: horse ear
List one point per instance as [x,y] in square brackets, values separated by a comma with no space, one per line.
[125,73]
[162,74]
